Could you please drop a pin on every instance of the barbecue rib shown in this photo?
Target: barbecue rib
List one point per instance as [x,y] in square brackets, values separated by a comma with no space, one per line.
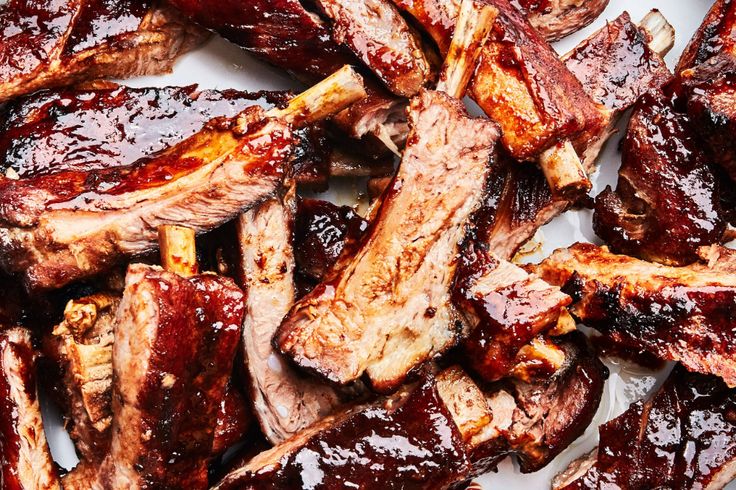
[717,34]
[170,370]
[506,308]
[51,43]
[683,437]
[522,84]
[72,224]
[666,204]
[25,462]
[674,313]
[284,400]
[440,431]
[616,65]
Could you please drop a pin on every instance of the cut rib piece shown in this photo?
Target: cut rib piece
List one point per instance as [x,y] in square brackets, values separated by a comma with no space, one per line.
[666,203]
[674,313]
[370,318]
[51,43]
[284,400]
[683,437]
[555,19]
[520,201]
[506,308]
[717,34]
[63,227]
[175,339]
[26,461]
[408,439]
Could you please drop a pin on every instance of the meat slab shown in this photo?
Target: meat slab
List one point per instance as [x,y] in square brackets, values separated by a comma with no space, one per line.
[682,437]
[175,339]
[680,314]
[51,43]
[369,317]
[25,460]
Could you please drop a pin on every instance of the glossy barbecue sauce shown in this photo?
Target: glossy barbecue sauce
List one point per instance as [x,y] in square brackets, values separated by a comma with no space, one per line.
[104,21]
[10,438]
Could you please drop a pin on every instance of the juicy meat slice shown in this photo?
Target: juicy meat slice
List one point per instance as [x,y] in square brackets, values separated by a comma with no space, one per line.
[717,34]
[378,35]
[682,437]
[555,19]
[284,400]
[666,205]
[83,349]
[674,313]
[407,441]
[26,461]
[520,82]
[175,339]
[389,309]
[106,125]
[616,66]
[233,420]
[506,308]
[51,43]
[711,105]
[322,233]
[58,228]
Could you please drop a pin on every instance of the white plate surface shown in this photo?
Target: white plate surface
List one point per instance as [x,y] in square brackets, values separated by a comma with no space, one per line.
[221,65]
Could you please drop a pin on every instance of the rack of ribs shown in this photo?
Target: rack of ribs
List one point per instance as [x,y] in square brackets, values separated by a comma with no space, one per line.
[76,223]
[51,43]
[684,437]
[26,461]
[673,313]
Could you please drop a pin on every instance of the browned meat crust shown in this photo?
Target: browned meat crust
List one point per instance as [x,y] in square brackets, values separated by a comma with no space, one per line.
[674,313]
[25,460]
[370,317]
[284,400]
[175,339]
[234,418]
[506,307]
[717,34]
[614,57]
[666,204]
[555,19]
[58,228]
[57,42]
[683,437]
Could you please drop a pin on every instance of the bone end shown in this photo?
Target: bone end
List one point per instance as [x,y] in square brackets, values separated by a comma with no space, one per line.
[564,171]
[660,30]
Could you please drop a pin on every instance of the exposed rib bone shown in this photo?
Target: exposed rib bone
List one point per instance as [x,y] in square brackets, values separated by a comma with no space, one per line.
[663,34]
[178,250]
[564,171]
[474,22]
[328,97]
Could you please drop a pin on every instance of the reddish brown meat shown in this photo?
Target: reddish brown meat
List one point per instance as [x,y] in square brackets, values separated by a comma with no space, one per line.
[58,228]
[25,460]
[666,204]
[175,339]
[717,34]
[555,19]
[674,313]
[683,437]
[50,43]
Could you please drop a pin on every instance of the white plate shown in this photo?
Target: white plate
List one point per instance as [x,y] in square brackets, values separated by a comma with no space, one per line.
[221,65]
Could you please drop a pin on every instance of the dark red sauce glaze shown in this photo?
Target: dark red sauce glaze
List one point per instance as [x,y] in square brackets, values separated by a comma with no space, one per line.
[85,130]
[693,325]
[281,32]
[679,439]
[321,232]
[233,420]
[666,204]
[616,65]
[197,334]
[717,34]
[509,317]
[532,6]
[103,21]
[711,105]
[10,423]
[32,32]
[412,444]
